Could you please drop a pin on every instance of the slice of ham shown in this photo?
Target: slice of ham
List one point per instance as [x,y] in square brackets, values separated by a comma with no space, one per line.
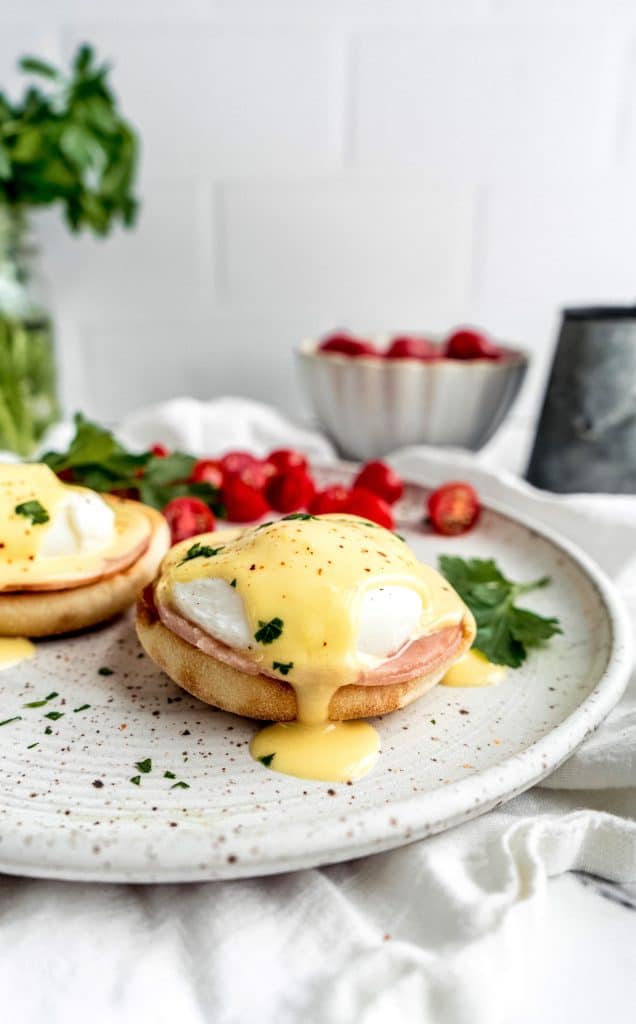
[421,656]
[109,567]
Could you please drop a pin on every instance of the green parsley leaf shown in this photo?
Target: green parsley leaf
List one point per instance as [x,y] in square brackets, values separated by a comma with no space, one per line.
[269,631]
[41,703]
[144,766]
[82,707]
[169,775]
[136,780]
[16,718]
[504,632]
[34,511]
[54,715]
[200,551]
[105,671]
[297,515]
[180,785]
[233,584]
[267,759]
[48,731]
[270,522]
[97,460]
[283,667]
[32,745]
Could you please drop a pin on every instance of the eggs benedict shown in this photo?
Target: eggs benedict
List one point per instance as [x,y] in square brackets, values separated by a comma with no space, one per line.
[69,557]
[308,622]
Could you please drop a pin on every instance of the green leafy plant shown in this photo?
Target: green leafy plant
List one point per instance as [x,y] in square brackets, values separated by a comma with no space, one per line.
[69,144]
[504,632]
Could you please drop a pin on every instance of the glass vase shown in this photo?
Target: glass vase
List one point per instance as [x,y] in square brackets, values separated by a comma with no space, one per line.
[28,384]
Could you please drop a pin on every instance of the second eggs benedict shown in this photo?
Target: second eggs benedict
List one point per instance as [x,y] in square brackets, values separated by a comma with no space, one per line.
[309,622]
[69,557]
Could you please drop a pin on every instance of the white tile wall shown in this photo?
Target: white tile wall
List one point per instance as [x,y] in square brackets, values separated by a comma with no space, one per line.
[378,163]
[486,100]
[385,251]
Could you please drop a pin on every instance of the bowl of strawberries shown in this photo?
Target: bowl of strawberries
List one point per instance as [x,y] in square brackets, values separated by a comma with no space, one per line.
[372,397]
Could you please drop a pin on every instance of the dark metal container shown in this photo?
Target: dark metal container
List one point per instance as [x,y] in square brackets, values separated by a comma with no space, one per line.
[586,439]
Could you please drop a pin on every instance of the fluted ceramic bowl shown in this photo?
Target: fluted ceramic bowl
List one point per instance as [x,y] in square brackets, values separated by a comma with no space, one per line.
[370,405]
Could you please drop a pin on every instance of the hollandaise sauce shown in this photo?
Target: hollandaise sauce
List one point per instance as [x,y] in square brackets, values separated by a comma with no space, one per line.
[13,650]
[328,751]
[474,669]
[301,581]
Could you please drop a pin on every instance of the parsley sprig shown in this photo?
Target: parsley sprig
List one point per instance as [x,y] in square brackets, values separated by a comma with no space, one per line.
[504,631]
[96,459]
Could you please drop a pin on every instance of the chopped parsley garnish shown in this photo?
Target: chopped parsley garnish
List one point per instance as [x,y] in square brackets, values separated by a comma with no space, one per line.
[41,703]
[54,715]
[144,766]
[504,632]
[169,775]
[233,584]
[16,718]
[31,746]
[82,707]
[299,515]
[399,537]
[105,671]
[136,780]
[48,731]
[267,759]
[270,522]
[268,631]
[283,667]
[34,511]
[197,550]
[180,785]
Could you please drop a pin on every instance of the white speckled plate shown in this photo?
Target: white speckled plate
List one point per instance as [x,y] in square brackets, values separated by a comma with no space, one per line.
[69,810]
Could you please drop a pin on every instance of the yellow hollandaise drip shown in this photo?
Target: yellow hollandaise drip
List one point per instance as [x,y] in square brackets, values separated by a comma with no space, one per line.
[312,747]
[474,669]
[13,650]
[329,752]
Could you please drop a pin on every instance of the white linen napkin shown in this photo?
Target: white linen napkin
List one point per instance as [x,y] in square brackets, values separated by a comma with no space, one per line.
[451,929]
